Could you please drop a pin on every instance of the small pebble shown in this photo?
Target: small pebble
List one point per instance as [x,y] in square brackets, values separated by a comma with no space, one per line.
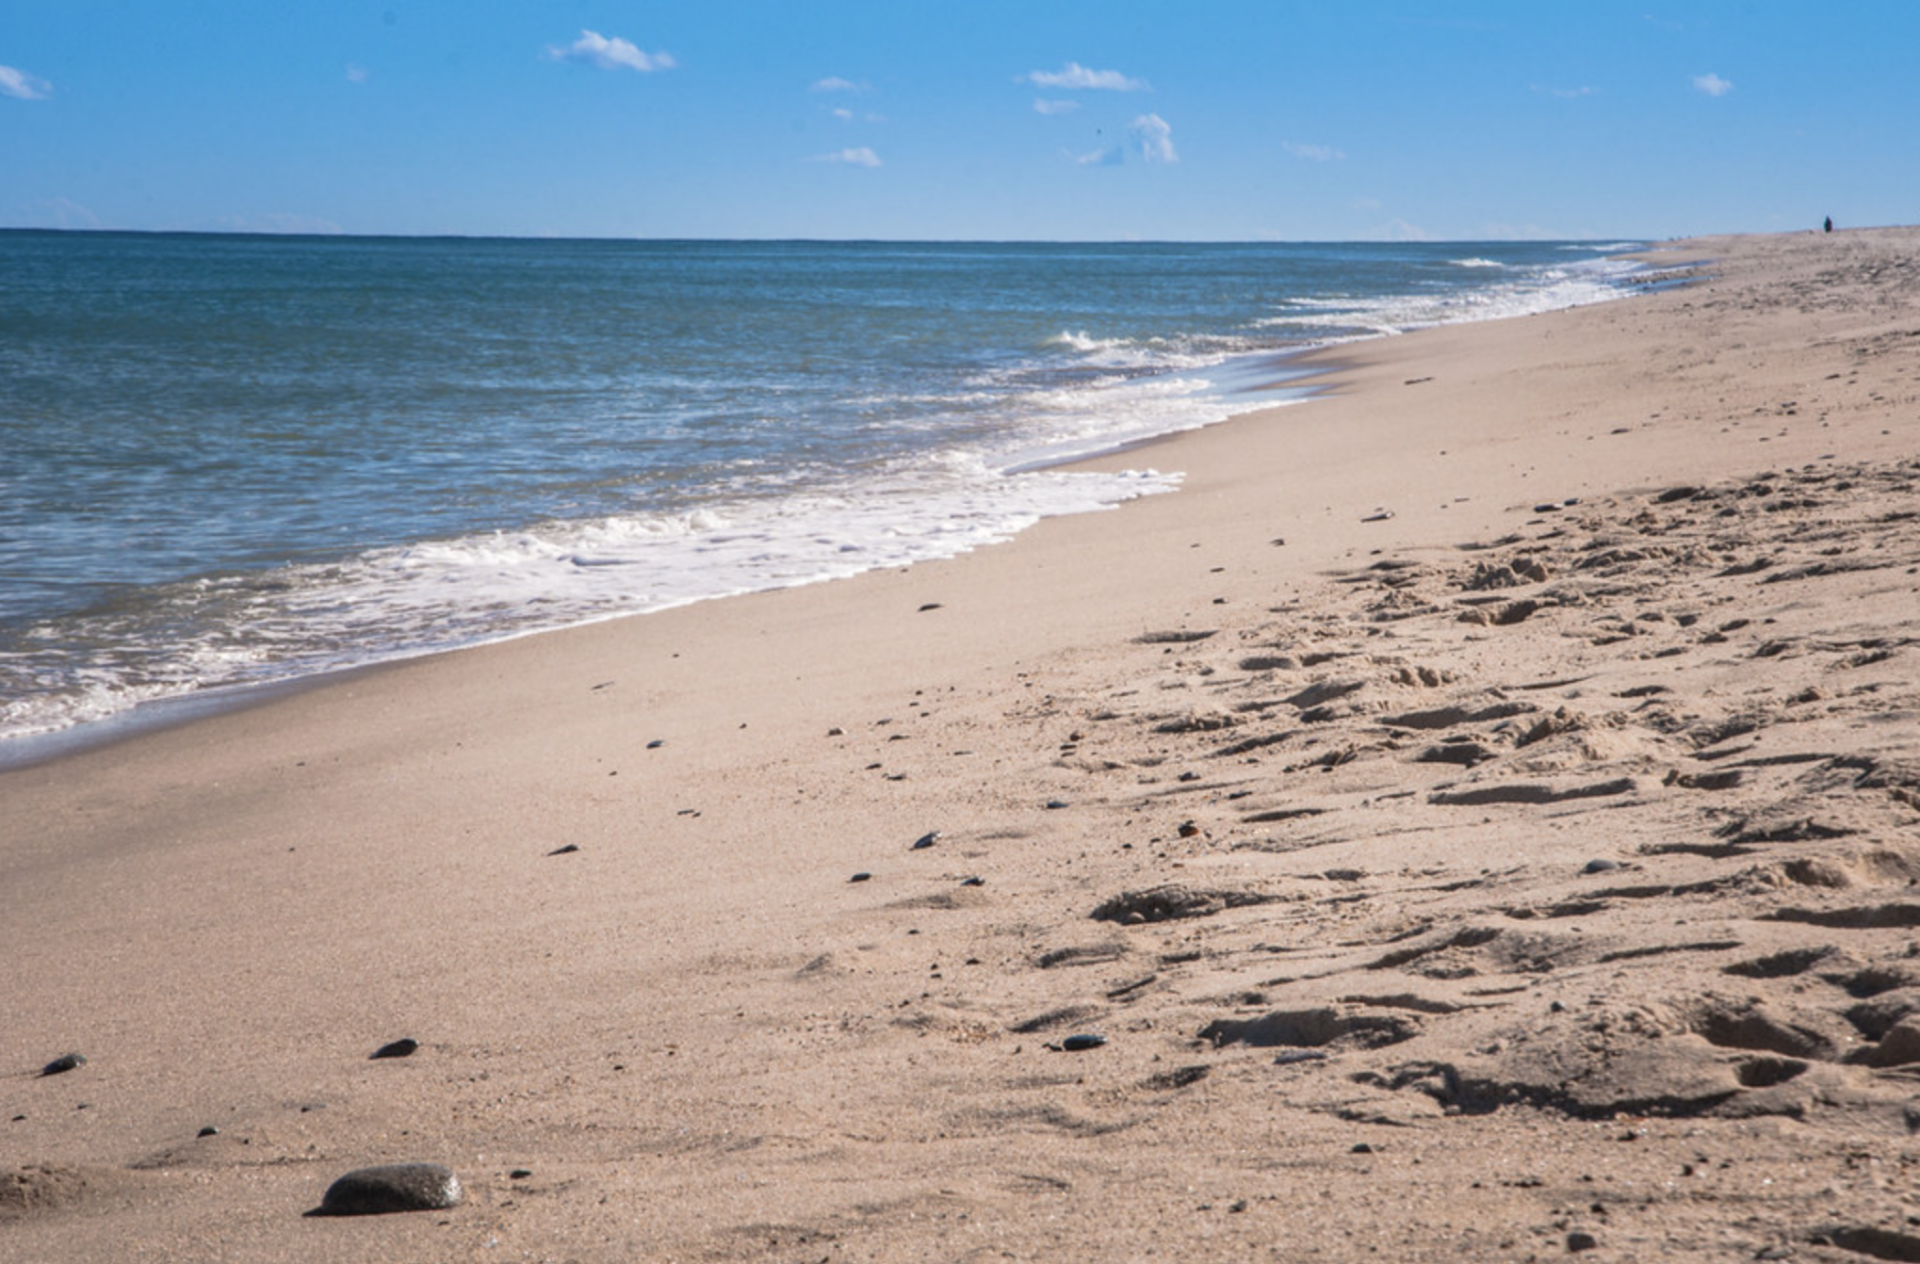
[926,840]
[656,743]
[372,1191]
[565,850]
[1579,1240]
[862,876]
[208,1131]
[1361,1147]
[1082,1043]
[973,882]
[404,1047]
[1600,865]
[520,1174]
[64,1063]
[1054,805]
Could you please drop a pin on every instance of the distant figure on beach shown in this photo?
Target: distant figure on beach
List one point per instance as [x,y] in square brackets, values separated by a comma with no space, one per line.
[1828,227]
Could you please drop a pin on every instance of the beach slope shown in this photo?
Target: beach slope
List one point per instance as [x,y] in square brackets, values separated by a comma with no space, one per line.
[1478,816]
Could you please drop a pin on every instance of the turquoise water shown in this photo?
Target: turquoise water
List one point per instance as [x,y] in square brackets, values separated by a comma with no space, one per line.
[226,461]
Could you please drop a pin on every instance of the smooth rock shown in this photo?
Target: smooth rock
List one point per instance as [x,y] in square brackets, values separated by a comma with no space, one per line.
[404,1047]
[373,1191]
[64,1063]
[926,840]
[1600,866]
[1082,1043]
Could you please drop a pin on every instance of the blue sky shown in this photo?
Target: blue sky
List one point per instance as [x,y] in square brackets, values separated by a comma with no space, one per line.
[1366,119]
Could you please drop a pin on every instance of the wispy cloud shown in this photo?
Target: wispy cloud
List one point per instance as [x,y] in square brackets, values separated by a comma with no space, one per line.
[1312,153]
[1044,106]
[23,86]
[1713,85]
[1565,94]
[598,50]
[1112,156]
[1399,230]
[357,74]
[855,157]
[281,222]
[1154,138]
[834,83]
[1074,75]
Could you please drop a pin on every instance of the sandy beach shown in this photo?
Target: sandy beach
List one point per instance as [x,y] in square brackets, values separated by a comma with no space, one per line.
[1477,817]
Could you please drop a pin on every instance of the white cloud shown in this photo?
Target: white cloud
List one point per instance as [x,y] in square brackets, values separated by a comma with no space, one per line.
[1154,137]
[1112,157]
[61,212]
[281,222]
[356,74]
[1713,85]
[1044,106]
[860,157]
[1399,230]
[1313,153]
[610,54]
[1074,75]
[25,87]
[834,83]
[1565,94]
[842,113]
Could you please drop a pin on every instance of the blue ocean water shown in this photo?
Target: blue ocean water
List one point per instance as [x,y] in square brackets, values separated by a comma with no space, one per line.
[232,460]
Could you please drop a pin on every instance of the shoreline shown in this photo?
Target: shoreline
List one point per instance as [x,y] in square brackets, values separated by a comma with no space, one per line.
[1279,374]
[1456,814]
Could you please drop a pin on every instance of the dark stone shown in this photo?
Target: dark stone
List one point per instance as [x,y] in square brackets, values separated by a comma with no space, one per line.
[1081,1043]
[208,1131]
[520,1174]
[926,840]
[372,1191]
[862,876]
[973,882]
[405,1047]
[1580,1240]
[1601,865]
[566,850]
[64,1063]
[1054,805]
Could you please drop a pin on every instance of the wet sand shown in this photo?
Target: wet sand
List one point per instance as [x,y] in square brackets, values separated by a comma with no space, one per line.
[1478,815]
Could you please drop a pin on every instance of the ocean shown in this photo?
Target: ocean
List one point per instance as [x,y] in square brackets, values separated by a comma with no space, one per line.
[234,461]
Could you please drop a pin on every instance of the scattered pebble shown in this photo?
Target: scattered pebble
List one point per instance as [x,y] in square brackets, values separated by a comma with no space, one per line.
[401,1048]
[975,881]
[1580,1240]
[931,605]
[1299,1055]
[372,1191]
[1382,516]
[1054,805]
[64,1063]
[836,731]
[656,743]
[208,1131]
[925,841]
[564,850]
[1082,1043]
[862,876]
[1600,865]
[520,1174]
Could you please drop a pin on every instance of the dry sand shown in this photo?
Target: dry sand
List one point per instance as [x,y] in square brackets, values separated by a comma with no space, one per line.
[1305,830]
